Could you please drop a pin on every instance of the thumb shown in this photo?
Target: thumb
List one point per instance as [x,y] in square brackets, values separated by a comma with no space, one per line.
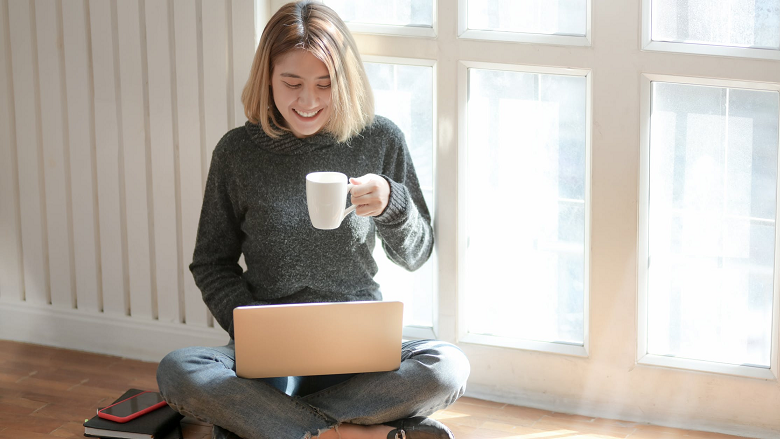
[359,180]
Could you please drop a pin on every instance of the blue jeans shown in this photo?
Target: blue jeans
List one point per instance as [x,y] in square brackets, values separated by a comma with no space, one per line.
[201,382]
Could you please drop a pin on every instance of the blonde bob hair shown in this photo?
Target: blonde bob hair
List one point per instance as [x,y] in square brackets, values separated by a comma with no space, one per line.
[317,29]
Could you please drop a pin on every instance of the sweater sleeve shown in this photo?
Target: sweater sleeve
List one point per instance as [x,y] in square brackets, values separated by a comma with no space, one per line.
[214,264]
[405,225]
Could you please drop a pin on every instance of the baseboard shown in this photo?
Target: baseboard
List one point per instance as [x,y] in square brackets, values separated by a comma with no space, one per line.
[584,408]
[124,336]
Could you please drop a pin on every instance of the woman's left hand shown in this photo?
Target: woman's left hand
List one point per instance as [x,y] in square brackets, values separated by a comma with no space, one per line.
[370,193]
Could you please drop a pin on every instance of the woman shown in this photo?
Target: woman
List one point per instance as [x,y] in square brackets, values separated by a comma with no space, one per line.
[310,108]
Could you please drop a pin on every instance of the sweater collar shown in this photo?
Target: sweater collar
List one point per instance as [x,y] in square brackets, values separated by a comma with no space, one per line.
[287,143]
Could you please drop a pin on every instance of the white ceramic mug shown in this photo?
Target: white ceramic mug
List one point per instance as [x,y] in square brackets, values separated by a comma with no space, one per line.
[326,194]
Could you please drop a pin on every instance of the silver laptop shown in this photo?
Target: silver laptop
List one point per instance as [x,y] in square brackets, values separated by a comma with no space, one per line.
[317,338]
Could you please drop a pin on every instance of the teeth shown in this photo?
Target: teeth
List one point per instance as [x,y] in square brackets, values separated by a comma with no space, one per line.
[307,114]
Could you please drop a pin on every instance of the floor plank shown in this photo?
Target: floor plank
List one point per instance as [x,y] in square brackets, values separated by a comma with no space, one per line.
[48,392]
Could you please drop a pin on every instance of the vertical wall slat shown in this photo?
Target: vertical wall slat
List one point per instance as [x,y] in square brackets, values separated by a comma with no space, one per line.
[190,157]
[163,156]
[30,188]
[78,89]
[11,282]
[215,72]
[55,156]
[107,155]
[243,51]
[135,160]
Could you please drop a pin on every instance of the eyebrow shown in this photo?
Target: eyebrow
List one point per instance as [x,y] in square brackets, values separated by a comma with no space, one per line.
[290,75]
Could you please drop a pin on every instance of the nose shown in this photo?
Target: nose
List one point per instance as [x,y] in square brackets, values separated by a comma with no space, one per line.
[308,97]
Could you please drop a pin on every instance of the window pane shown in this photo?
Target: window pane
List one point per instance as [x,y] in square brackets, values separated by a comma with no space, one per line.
[713,172]
[392,12]
[525,214]
[549,17]
[738,23]
[404,94]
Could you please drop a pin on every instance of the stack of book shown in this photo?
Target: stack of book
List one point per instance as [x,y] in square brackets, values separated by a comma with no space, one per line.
[162,423]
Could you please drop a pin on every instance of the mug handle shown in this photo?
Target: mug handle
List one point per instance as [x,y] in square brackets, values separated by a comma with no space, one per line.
[351,208]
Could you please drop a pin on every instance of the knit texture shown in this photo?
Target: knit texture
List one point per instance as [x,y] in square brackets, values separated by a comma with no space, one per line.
[255,205]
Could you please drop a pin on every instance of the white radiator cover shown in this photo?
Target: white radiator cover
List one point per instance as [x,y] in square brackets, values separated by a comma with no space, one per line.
[109,112]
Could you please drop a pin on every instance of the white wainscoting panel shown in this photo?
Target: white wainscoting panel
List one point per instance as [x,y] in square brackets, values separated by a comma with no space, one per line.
[55,158]
[110,172]
[164,171]
[132,79]
[215,73]
[109,111]
[11,281]
[32,204]
[77,45]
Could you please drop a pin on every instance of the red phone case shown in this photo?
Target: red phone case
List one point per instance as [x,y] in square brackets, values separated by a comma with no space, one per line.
[131,416]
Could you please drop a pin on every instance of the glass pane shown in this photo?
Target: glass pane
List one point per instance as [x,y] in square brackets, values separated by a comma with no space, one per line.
[393,12]
[738,23]
[549,17]
[713,172]
[525,214]
[404,94]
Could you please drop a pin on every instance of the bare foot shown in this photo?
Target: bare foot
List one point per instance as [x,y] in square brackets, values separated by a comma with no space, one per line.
[353,431]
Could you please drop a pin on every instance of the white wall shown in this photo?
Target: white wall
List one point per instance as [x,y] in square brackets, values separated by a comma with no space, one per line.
[109,111]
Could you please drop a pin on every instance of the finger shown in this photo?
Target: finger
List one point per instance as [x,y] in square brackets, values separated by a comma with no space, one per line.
[363,189]
[365,193]
[358,189]
[357,192]
[360,180]
[363,198]
[366,209]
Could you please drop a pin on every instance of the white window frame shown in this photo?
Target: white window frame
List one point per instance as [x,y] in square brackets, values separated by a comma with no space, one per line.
[697,49]
[507,342]
[400,31]
[520,37]
[643,357]
[411,331]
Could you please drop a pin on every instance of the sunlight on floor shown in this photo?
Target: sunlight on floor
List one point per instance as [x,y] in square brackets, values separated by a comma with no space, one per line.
[471,418]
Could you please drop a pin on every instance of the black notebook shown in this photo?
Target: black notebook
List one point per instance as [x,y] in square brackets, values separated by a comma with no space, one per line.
[162,423]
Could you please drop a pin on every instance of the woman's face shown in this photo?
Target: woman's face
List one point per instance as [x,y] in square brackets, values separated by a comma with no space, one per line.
[301,88]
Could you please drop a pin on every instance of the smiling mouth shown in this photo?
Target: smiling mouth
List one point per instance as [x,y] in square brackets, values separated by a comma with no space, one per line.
[307,115]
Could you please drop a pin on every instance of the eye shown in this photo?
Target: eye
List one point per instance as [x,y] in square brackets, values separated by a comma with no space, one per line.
[291,85]
[324,86]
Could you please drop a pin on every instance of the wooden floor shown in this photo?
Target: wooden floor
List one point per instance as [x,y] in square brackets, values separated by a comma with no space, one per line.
[47,392]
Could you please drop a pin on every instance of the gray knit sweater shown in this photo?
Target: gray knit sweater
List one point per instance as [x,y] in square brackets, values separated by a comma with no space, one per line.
[255,204]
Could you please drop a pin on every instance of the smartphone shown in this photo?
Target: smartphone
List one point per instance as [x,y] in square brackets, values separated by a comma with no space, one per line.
[132,407]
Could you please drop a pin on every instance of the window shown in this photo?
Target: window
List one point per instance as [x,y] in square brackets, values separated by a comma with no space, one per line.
[746,28]
[538,21]
[554,234]
[525,211]
[708,212]
[403,92]
[711,222]
[402,17]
